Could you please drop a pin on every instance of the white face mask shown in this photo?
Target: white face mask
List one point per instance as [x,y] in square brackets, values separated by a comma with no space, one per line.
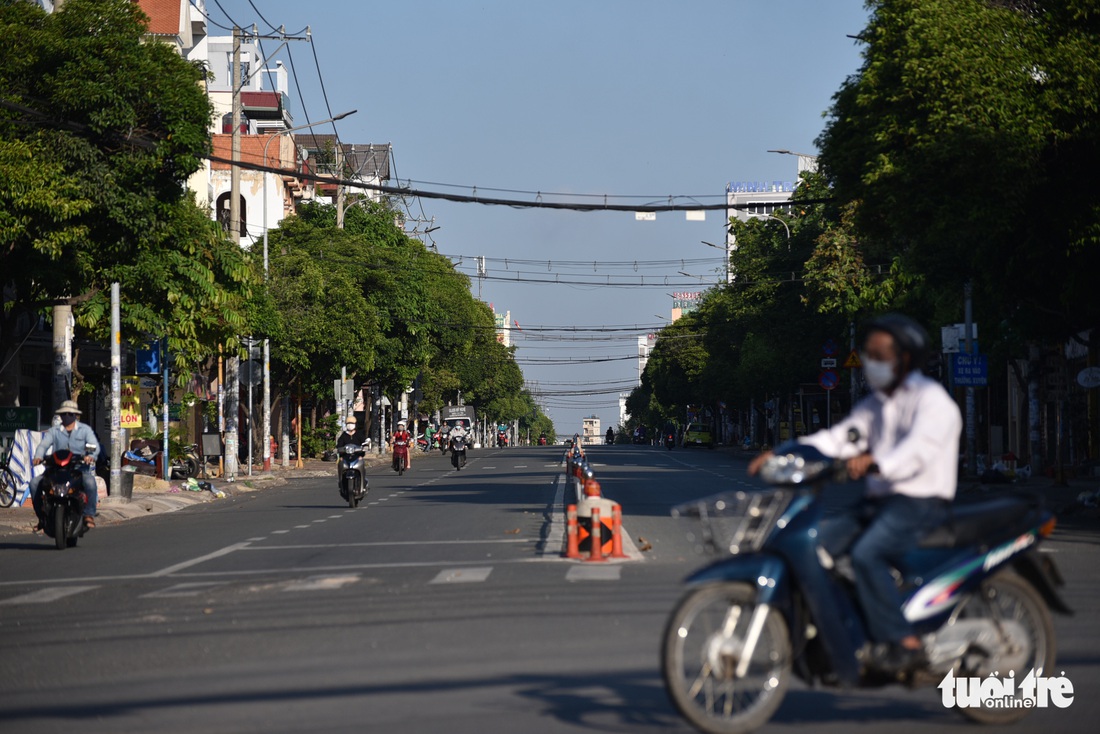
[879,375]
[350,427]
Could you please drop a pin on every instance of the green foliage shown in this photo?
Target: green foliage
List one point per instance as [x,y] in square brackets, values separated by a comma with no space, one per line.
[98,134]
[373,300]
[316,440]
[966,145]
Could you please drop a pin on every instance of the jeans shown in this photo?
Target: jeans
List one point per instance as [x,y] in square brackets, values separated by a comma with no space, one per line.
[87,475]
[876,533]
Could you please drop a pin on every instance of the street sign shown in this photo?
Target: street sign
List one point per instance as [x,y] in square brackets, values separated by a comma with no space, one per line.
[1089,377]
[828,363]
[830,348]
[970,370]
[14,418]
[853,361]
[828,379]
[250,373]
[130,401]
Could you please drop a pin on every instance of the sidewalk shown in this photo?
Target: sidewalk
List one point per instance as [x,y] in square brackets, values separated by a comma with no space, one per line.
[153,496]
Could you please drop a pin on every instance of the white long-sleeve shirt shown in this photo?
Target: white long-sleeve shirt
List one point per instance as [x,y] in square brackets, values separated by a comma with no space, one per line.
[913,435]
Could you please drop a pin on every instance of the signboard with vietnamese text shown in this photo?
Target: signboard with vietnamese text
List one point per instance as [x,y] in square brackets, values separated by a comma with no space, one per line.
[130,401]
[969,370]
[14,418]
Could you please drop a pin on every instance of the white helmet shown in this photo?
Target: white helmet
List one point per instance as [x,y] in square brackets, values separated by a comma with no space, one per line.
[401,424]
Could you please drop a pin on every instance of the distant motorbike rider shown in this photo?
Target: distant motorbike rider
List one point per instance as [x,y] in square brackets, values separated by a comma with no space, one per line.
[610,435]
[458,429]
[72,435]
[907,447]
[402,434]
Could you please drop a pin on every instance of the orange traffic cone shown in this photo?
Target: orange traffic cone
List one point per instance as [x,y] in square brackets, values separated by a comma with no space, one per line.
[571,549]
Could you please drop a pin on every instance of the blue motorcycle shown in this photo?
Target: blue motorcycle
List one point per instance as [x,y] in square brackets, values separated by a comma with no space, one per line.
[977,591]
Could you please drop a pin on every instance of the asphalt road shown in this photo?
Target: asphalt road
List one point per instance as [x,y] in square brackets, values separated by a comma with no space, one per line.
[440,605]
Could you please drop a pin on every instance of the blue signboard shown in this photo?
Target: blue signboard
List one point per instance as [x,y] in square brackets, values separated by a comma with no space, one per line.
[970,370]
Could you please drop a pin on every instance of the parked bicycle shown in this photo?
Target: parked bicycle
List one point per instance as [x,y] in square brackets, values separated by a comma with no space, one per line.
[9,486]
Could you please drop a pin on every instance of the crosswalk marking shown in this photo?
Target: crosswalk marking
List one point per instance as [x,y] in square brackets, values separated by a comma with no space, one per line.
[47,595]
[462,575]
[590,572]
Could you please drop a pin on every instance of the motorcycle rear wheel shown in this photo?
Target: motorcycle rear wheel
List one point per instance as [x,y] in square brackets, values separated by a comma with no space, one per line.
[715,700]
[59,528]
[1008,596]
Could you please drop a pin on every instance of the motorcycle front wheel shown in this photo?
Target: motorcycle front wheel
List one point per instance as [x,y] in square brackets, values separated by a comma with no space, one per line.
[703,642]
[59,528]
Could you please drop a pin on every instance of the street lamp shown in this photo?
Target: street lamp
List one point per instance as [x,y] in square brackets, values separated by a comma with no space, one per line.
[806,161]
[267,342]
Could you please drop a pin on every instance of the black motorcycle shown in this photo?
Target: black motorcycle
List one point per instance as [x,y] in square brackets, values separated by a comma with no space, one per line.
[63,497]
[458,451]
[670,440]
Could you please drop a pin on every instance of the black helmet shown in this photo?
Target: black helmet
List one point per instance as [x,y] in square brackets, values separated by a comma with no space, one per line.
[909,336]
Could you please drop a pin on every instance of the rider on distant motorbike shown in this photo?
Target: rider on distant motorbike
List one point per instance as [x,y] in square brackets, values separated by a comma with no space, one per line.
[401,434]
[72,435]
[907,448]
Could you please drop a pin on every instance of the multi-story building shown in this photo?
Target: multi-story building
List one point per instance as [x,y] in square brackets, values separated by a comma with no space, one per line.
[590,431]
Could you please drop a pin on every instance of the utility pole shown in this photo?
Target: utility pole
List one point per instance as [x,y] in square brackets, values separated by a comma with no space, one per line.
[339,186]
[971,429]
[62,353]
[232,364]
[116,400]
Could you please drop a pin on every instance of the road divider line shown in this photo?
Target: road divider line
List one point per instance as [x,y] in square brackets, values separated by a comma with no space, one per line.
[169,570]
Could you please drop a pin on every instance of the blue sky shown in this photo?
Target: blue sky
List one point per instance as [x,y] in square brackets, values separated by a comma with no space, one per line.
[596,97]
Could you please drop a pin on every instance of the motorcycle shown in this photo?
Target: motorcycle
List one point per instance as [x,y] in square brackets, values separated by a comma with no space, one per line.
[502,439]
[458,451]
[188,465]
[542,440]
[977,591]
[422,444]
[670,440]
[351,471]
[400,455]
[63,497]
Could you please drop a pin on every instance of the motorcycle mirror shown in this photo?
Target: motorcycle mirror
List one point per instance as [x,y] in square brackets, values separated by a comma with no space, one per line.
[89,448]
[853,435]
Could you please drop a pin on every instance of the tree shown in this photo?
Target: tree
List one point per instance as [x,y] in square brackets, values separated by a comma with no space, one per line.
[98,134]
[966,145]
[372,299]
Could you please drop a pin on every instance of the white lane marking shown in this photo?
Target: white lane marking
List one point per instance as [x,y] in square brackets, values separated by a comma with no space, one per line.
[301,527]
[555,534]
[323,519]
[335,517]
[49,594]
[387,544]
[462,575]
[169,570]
[519,466]
[279,532]
[256,540]
[488,467]
[594,572]
[321,583]
[191,588]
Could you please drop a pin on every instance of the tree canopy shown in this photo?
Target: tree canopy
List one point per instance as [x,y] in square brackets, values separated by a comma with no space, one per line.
[98,134]
[966,144]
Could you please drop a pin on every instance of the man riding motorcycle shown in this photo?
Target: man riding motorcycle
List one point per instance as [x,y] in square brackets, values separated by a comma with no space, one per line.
[72,435]
[351,433]
[906,444]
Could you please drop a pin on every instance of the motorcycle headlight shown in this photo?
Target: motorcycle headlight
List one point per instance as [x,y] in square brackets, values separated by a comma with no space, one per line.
[800,465]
